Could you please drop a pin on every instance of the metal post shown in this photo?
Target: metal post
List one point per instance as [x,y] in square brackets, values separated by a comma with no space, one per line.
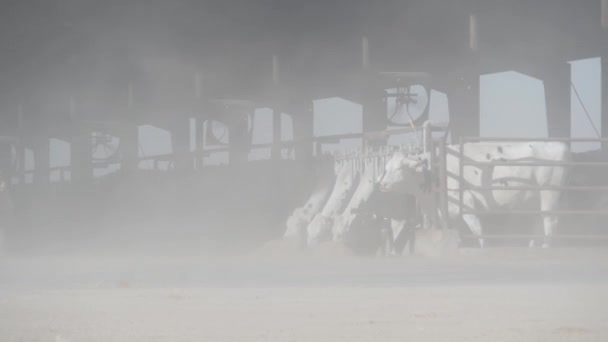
[473,35]
[20,149]
[374,115]
[443,186]
[364,53]
[557,95]
[604,118]
[604,10]
[463,93]
[129,135]
[303,129]
[276,112]
[199,122]
[42,159]
[180,141]
[461,177]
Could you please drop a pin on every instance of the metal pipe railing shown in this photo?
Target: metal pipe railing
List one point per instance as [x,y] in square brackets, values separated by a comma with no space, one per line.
[560,139]
[535,236]
[530,163]
[535,212]
[538,188]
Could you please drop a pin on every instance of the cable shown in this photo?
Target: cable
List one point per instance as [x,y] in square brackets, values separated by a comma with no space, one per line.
[585,110]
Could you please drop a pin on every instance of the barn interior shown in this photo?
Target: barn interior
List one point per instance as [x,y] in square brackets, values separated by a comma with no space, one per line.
[152,153]
[91,74]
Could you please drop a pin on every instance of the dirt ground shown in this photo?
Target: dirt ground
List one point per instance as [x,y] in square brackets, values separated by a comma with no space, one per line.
[494,295]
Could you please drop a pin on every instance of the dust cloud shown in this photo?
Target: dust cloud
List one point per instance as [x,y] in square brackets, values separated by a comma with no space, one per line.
[197,252]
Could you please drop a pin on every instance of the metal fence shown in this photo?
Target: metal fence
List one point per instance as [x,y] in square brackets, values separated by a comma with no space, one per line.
[464,186]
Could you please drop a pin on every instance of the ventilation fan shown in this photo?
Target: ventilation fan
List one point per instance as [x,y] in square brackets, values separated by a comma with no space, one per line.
[104,146]
[218,132]
[407,105]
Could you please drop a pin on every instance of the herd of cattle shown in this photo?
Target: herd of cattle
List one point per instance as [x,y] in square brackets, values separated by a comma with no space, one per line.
[375,204]
[379,203]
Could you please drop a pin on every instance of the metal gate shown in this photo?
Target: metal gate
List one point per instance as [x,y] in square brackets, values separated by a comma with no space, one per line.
[439,161]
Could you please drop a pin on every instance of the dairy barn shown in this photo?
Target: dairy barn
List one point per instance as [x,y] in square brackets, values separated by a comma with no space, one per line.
[271,170]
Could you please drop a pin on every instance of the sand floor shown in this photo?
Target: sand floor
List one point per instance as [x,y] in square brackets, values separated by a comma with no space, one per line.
[507,297]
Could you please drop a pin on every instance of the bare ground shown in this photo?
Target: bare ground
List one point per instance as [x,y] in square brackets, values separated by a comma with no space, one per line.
[494,295]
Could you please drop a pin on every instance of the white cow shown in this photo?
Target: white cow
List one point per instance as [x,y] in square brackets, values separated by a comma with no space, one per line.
[374,220]
[371,234]
[320,228]
[409,174]
[363,193]
[301,217]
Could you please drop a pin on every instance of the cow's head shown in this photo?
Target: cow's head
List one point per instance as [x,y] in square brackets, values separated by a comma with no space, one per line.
[405,173]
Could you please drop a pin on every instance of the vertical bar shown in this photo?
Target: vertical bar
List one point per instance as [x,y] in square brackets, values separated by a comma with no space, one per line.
[197,85]
[20,150]
[463,96]
[364,53]
[604,82]
[180,141]
[198,122]
[302,114]
[129,135]
[276,112]
[473,36]
[604,10]
[275,70]
[443,193]
[42,159]
[276,133]
[461,178]
[557,96]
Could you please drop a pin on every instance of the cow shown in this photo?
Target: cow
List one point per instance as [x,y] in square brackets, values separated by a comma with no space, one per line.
[320,228]
[301,217]
[384,224]
[367,223]
[410,174]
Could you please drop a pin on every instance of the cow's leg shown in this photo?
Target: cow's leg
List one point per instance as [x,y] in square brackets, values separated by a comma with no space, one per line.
[475,226]
[472,220]
[400,235]
[549,201]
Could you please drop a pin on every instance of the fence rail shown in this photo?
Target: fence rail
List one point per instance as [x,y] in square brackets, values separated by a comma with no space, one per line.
[537,188]
[535,212]
[536,236]
[559,139]
[532,163]
[465,186]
